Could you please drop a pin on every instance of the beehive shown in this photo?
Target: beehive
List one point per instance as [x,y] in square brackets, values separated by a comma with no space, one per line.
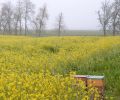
[95,81]
[98,82]
[81,77]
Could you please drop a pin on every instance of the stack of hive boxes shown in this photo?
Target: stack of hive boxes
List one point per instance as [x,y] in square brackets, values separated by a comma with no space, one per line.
[95,81]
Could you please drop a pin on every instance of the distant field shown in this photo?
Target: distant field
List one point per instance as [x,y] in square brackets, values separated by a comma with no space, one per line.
[75,33]
[26,56]
[72,33]
[68,33]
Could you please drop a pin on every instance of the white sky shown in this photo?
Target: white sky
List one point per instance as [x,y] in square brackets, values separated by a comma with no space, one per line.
[78,14]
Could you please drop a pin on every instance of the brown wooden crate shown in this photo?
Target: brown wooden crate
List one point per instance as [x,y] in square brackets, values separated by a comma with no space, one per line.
[95,82]
[82,78]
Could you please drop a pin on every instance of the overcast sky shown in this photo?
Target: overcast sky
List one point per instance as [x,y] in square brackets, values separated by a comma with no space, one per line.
[78,14]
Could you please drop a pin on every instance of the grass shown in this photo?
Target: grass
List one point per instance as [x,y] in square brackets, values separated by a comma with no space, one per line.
[86,55]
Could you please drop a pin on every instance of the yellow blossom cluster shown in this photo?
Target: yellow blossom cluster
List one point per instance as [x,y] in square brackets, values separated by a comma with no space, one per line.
[38,68]
[22,86]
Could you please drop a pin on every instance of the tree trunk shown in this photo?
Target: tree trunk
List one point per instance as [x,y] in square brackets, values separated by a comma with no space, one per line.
[59,30]
[39,32]
[25,26]
[114,29]
[16,28]
[9,27]
[0,27]
[59,33]
[104,29]
[20,26]
[40,28]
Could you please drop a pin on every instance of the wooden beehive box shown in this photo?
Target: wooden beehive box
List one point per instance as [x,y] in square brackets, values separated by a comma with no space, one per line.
[81,77]
[98,82]
[95,81]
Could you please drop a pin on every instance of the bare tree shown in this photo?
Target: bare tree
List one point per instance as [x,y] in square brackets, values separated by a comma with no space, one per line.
[35,25]
[28,12]
[3,20]
[18,16]
[6,17]
[115,16]
[16,20]
[60,24]
[41,19]
[105,15]
[0,21]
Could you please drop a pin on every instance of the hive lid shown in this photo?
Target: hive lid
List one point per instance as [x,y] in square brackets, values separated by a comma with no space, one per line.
[95,77]
[80,76]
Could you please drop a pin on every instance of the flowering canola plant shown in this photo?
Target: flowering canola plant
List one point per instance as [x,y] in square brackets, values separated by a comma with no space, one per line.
[38,68]
[39,87]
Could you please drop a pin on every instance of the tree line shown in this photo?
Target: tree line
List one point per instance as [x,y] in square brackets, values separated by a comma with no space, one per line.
[21,18]
[109,17]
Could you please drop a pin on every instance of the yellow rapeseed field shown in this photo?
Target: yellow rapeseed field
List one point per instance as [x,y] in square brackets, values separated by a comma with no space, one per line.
[39,68]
